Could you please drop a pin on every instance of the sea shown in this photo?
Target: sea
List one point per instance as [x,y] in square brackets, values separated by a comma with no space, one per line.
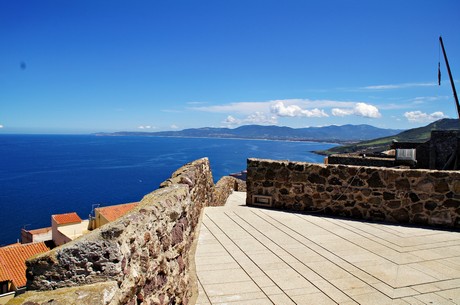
[41,175]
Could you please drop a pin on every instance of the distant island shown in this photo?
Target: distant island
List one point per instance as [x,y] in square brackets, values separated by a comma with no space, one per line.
[344,134]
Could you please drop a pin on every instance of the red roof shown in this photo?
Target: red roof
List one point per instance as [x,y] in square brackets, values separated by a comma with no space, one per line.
[62,219]
[113,212]
[13,261]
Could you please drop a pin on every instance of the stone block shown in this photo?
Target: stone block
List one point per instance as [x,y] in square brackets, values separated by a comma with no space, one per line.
[402,184]
[455,187]
[316,179]
[430,205]
[413,197]
[451,203]
[393,204]
[400,215]
[388,196]
[441,186]
[375,181]
[441,218]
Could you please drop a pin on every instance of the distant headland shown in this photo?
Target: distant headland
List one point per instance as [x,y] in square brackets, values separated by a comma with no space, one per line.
[336,134]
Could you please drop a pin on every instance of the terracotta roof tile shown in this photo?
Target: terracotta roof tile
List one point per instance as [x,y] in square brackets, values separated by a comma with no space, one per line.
[113,212]
[13,261]
[68,218]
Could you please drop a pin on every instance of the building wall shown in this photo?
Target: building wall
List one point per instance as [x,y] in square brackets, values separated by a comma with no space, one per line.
[26,237]
[394,195]
[444,144]
[34,237]
[58,238]
[99,219]
[148,252]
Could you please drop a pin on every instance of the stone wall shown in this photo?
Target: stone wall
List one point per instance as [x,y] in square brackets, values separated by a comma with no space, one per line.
[224,187]
[148,253]
[444,149]
[395,195]
[348,159]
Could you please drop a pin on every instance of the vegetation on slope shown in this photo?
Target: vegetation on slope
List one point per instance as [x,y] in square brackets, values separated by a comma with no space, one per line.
[421,134]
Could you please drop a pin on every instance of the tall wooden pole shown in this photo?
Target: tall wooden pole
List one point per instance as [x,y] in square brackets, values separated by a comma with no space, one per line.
[450,76]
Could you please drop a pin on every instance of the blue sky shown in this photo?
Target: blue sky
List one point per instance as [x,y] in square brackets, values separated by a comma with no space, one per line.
[89,66]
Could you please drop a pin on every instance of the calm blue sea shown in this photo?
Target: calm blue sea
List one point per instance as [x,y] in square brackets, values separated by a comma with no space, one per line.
[42,175]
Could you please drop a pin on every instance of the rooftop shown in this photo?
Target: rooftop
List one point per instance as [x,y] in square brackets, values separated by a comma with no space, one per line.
[68,218]
[113,212]
[258,256]
[13,258]
[75,230]
[39,231]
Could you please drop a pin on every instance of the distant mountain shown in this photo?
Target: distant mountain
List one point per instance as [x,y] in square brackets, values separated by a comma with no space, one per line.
[338,134]
[421,134]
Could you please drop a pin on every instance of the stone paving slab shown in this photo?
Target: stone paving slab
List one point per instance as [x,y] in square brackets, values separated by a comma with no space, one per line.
[249,255]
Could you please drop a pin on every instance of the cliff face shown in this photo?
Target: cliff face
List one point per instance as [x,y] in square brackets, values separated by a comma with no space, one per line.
[147,255]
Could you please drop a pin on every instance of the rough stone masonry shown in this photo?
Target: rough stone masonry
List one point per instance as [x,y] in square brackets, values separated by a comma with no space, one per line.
[423,197]
[145,257]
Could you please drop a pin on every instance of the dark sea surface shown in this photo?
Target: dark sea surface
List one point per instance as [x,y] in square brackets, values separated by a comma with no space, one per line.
[42,175]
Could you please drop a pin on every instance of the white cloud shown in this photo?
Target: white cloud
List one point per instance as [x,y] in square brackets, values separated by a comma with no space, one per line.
[341,112]
[255,118]
[307,103]
[295,111]
[428,99]
[1,126]
[247,108]
[399,86]
[359,109]
[196,103]
[230,120]
[241,108]
[411,103]
[366,110]
[174,126]
[421,117]
[260,118]
[146,127]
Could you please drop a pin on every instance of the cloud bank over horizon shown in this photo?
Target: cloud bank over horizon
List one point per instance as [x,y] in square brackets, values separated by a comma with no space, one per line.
[269,112]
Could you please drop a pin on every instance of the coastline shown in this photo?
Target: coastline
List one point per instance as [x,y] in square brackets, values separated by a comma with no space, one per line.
[45,174]
[334,142]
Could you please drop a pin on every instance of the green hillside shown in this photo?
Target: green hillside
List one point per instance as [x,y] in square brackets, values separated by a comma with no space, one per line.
[421,134]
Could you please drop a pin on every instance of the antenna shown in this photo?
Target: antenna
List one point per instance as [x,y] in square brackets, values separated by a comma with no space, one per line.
[93,207]
[450,76]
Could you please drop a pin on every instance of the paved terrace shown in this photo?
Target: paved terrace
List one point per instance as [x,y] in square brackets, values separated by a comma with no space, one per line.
[256,256]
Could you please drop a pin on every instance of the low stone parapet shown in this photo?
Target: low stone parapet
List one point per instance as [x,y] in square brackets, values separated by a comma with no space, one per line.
[224,187]
[347,159]
[424,197]
[147,252]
